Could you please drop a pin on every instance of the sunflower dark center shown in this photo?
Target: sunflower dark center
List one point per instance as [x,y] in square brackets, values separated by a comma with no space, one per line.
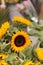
[19,41]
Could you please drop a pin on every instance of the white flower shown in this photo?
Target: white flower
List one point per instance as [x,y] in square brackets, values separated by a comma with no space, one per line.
[34,19]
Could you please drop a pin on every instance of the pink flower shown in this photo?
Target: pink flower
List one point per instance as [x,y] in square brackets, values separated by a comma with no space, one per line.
[2,6]
[28,3]
[25,3]
[18,5]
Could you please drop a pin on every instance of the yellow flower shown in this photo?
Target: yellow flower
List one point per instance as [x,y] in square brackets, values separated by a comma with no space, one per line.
[2,62]
[12,1]
[8,1]
[20,41]
[38,63]
[3,56]
[28,63]
[0,34]
[39,52]
[4,29]
[15,1]
[22,20]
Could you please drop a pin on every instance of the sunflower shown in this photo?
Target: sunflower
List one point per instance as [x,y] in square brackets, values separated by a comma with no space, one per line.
[15,1]
[4,29]
[22,20]
[2,62]
[0,34]
[10,1]
[3,56]
[39,52]
[20,41]
[28,63]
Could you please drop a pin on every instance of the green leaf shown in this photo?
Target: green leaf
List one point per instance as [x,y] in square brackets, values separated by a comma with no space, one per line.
[28,52]
[11,57]
[34,53]
[41,38]
[34,32]
[16,62]
[41,26]
[41,44]
[36,44]
[12,30]
[7,47]
[15,29]
[21,55]
[35,26]
[2,46]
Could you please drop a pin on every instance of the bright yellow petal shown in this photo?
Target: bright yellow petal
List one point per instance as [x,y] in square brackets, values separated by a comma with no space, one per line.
[28,63]
[4,29]
[22,20]
[15,1]
[2,62]
[39,52]
[3,56]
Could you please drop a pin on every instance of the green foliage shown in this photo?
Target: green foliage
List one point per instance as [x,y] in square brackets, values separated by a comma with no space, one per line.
[41,44]
[36,30]
[28,53]
[4,15]
[11,57]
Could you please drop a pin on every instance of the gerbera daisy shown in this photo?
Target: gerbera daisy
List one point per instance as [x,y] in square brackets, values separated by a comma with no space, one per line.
[39,52]
[4,29]
[2,62]
[20,41]
[28,63]
[22,20]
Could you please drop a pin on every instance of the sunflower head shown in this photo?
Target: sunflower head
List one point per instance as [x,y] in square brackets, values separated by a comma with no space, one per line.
[21,20]
[15,1]
[28,63]
[39,52]
[3,56]
[4,28]
[20,41]
[5,25]
[2,62]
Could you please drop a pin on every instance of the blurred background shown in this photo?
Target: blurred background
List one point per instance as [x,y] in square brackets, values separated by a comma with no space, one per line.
[35,5]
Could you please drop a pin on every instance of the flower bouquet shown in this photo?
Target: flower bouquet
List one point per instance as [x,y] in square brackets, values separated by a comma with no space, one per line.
[16,45]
